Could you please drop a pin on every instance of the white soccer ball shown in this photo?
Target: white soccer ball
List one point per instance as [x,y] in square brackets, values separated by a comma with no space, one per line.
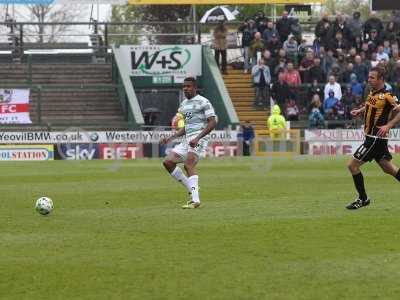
[44,205]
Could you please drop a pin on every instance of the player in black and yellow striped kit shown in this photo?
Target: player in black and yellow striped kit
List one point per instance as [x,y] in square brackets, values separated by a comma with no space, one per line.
[377,111]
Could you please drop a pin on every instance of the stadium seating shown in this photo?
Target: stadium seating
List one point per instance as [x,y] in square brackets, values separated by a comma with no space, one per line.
[68,95]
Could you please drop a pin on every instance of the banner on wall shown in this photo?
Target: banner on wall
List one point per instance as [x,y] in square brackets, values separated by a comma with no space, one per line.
[344,148]
[218,149]
[14,106]
[343,135]
[77,151]
[343,141]
[81,137]
[163,60]
[26,152]
[121,151]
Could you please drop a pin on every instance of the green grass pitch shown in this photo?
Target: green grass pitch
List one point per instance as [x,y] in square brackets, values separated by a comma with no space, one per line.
[269,229]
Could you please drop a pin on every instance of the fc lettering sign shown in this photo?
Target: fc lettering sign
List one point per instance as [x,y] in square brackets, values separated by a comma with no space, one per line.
[163,60]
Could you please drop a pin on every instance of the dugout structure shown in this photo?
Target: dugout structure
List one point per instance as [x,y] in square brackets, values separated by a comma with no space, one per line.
[277,142]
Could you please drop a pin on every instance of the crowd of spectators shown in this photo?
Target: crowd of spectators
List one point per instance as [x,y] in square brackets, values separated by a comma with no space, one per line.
[326,79]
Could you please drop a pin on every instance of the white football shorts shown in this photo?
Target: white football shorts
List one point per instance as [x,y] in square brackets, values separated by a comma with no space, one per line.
[183,147]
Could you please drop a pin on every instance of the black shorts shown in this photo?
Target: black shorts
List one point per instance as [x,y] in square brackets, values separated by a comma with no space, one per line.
[373,148]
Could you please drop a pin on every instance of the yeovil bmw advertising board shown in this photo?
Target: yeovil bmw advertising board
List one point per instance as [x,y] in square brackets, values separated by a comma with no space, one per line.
[79,137]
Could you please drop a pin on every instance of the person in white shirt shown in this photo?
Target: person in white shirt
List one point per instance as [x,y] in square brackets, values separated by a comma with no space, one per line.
[334,86]
[381,55]
[200,120]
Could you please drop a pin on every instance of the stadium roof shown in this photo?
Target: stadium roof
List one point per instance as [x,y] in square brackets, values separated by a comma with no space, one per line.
[26,1]
[219,2]
[63,1]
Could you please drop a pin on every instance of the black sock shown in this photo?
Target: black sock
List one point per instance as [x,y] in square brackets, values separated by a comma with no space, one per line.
[397,176]
[359,183]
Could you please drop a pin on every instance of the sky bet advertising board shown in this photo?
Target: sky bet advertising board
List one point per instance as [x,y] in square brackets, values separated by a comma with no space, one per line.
[77,151]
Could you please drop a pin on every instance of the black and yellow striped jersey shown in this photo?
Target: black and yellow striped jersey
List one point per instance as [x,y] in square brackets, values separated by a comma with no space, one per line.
[378,108]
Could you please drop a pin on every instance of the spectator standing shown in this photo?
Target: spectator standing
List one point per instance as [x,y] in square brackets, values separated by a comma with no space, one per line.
[315,89]
[373,23]
[261,21]
[391,32]
[280,91]
[328,61]
[270,62]
[292,111]
[340,25]
[262,79]
[269,31]
[248,31]
[329,105]
[303,49]
[274,45]
[361,70]
[333,86]
[256,48]
[292,77]
[339,111]
[381,55]
[316,72]
[315,117]
[351,56]
[386,47]
[323,30]
[283,25]
[291,48]
[373,40]
[339,44]
[374,60]
[305,66]
[247,136]
[295,29]
[220,45]
[355,26]
[345,76]
[357,89]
